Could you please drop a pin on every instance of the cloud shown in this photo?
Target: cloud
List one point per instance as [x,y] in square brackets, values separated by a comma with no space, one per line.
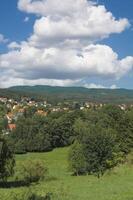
[56,63]
[63,20]
[3,39]
[26,19]
[63,48]
[98,86]
[14,45]
[13,81]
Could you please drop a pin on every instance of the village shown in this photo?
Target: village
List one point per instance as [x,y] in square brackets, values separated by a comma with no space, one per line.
[16,109]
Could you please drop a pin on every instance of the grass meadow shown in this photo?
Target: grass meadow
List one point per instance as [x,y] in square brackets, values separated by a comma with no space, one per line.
[115,185]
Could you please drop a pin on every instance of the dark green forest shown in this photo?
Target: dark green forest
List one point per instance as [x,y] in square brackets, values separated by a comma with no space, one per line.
[57,94]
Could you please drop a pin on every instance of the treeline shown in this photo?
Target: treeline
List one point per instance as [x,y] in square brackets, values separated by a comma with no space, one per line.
[35,133]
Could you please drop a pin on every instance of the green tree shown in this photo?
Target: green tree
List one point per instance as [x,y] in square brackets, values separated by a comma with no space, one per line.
[125,132]
[61,130]
[114,112]
[30,111]
[3,121]
[31,134]
[7,161]
[76,158]
[80,128]
[101,150]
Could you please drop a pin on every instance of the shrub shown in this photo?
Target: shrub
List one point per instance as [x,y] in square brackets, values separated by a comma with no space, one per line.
[34,171]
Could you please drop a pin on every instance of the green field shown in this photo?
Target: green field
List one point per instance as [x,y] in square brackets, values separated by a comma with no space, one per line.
[116,185]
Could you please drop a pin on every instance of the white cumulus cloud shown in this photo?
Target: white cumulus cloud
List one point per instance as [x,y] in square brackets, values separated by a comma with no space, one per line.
[67,20]
[63,48]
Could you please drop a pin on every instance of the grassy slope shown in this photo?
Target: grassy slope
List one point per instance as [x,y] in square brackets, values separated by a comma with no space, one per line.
[115,186]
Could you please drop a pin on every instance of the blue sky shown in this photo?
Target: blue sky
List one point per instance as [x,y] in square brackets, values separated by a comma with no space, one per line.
[12,24]
[122,42]
[14,28]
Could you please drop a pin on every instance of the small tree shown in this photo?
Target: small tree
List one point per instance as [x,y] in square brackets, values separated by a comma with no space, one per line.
[77,162]
[101,151]
[7,161]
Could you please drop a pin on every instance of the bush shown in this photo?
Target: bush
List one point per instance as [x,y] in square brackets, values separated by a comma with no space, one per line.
[34,171]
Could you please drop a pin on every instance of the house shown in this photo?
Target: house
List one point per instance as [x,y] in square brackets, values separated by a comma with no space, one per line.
[122,107]
[41,112]
[82,108]
[21,110]
[56,109]
[32,103]
[11,127]
[3,99]
[66,109]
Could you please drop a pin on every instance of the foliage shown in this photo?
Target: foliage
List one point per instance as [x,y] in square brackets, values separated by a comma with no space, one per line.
[113,111]
[129,159]
[102,136]
[31,135]
[101,151]
[61,131]
[34,171]
[100,148]
[77,161]
[80,128]
[3,121]
[125,132]
[7,161]
[40,134]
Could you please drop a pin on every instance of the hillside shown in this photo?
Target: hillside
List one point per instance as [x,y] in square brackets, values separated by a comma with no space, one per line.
[71,93]
[116,185]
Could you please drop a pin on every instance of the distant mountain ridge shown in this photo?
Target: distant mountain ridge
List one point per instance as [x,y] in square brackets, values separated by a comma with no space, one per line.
[49,89]
[73,93]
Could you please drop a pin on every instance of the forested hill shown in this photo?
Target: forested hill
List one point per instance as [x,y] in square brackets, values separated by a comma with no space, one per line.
[71,93]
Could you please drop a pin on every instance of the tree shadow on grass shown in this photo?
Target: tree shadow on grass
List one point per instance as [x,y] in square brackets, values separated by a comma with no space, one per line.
[14,184]
[22,183]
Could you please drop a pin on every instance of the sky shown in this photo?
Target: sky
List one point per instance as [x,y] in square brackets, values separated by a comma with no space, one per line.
[66,43]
